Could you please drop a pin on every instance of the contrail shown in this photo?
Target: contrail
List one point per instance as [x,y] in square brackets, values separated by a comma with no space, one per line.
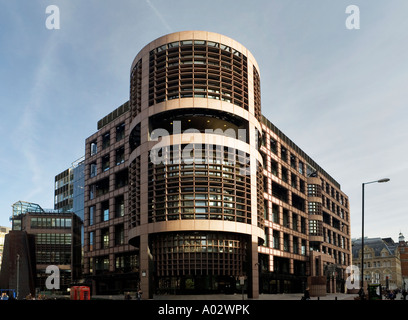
[159,16]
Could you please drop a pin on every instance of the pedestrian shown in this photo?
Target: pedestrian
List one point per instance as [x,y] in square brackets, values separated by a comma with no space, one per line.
[306,295]
[361,294]
[404,294]
[139,294]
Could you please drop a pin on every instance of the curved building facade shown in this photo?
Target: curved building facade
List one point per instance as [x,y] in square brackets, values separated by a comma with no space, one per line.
[195,170]
[190,189]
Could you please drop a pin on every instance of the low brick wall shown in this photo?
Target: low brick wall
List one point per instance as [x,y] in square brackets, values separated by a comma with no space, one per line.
[317,286]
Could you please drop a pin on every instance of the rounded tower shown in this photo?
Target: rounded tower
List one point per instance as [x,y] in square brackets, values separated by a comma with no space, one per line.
[195,172]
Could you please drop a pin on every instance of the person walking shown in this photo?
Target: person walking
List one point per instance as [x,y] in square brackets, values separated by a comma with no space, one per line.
[306,295]
[361,294]
[404,294]
[139,294]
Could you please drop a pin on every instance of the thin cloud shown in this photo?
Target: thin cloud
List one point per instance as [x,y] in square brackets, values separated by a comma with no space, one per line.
[28,132]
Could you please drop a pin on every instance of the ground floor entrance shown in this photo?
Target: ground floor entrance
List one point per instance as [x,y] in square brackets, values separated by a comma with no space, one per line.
[280,283]
[113,284]
[209,284]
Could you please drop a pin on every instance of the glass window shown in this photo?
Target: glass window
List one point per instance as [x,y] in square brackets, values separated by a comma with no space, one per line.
[120,132]
[105,163]
[173,44]
[186,42]
[293,161]
[34,223]
[120,156]
[94,148]
[284,154]
[199,42]
[120,206]
[105,211]
[105,239]
[303,252]
[285,218]
[275,213]
[276,239]
[274,145]
[93,169]
[286,242]
[92,192]
[106,140]
[119,235]
[295,245]
[91,215]
[301,167]
[91,240]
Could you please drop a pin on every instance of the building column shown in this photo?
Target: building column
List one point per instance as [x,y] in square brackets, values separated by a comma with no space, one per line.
[253,279]
[291,266]
[145,273]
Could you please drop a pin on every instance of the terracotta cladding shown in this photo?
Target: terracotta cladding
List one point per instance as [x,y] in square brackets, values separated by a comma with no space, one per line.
[195,68]
[302,191]
[203,80]
[281,206]
[136,89]
[106,188]
[134,193]
[198,68]
[257,95]
[212,190]
[185,253]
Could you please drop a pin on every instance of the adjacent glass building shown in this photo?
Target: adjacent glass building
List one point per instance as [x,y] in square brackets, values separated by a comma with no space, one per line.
[69,189]
[200,189]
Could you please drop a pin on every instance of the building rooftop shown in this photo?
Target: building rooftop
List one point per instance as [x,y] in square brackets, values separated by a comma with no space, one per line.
[22,207]
[378,244]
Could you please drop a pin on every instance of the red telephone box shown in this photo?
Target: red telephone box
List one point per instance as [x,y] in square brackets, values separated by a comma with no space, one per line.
[80,293]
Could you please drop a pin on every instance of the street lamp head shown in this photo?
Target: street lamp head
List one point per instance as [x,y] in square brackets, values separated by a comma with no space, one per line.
[383,180]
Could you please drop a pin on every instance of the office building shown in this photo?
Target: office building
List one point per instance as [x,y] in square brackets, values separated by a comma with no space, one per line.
[110,263]
[207,192]
[69,189]
[47,237]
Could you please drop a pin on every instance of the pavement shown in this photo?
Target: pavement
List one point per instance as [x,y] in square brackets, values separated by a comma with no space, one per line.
[237,296]
[283,296]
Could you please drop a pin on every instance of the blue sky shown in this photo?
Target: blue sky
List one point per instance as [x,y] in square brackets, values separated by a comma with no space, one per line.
[339,94]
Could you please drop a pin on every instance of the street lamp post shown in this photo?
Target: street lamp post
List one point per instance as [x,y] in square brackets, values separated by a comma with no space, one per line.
[362,227]
[18,276]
